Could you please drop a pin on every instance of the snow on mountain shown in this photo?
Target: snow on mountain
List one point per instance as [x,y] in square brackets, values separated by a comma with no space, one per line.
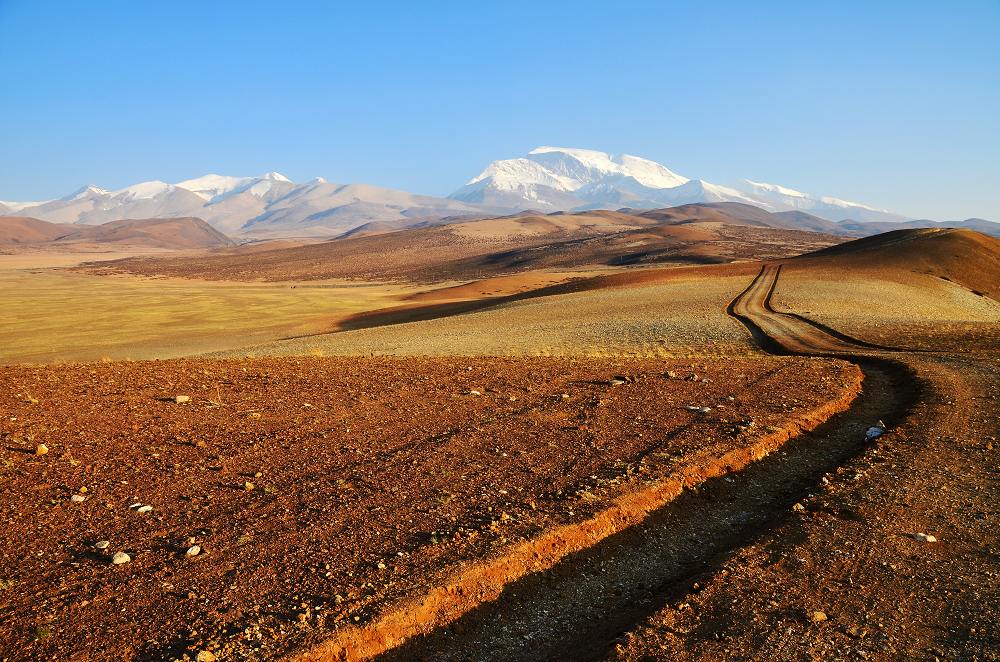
[142,190]
[561,178]
[550,178]
[266,205]
[834,209]
[546,179]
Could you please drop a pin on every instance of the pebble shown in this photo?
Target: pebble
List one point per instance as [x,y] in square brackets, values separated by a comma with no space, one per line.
[143,509]
[78,498]
[193,550]
[248,486]
[924,537]
[817,617]
[565,396]
[41,449]
[671,374]
[381,566]
[206,656]
[798,508]
[474,392]
[179,399]
[616,382]
[120,557]
[102,544]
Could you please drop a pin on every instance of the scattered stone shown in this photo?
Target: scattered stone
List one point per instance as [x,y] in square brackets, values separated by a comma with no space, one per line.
[180,399]
[78,498]
[381,566]
[206,656]
[565,396]
[798,508]
[137,504]
[616,382]
[817,617]
[924,537]
[193,550]
[670,374]
[474,392]
[83,490]
[143,509]
[41,449]
[102,544]
[248,486]
[120,557]
[875,431]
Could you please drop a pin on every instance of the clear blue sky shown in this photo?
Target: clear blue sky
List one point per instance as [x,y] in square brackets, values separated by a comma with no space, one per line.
[896,104]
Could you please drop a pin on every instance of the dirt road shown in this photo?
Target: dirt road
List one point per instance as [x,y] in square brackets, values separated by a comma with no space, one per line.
[734,571]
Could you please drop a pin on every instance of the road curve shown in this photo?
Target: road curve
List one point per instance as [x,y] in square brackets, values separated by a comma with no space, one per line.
[783,332]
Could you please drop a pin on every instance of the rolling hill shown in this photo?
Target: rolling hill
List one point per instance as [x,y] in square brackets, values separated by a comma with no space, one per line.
[165,233]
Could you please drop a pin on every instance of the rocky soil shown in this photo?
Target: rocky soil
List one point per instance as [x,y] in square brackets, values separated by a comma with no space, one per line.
[246,508]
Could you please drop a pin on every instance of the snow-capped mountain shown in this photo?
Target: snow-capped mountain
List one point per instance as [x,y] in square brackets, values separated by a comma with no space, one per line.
[546,179]
[270,204]
[558,178]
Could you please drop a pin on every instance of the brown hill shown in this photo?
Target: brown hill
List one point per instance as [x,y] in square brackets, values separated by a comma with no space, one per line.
[489,247]
[741,214]
[169,233]
[968,258]
[24,230]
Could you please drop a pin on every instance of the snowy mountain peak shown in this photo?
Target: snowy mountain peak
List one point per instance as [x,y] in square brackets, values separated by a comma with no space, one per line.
[274,177]
[764,187]
[142,190]
[567,178]
[87,191]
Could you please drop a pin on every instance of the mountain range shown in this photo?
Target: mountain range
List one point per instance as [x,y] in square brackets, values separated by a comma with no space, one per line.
[268,205]
[558,178]
[546,180]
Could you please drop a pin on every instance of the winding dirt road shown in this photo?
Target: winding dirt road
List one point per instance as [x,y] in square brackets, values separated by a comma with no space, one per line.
[579,609]
[786,333]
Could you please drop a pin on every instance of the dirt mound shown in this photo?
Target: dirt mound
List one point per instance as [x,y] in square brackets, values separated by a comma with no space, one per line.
[171,233]
[961,256]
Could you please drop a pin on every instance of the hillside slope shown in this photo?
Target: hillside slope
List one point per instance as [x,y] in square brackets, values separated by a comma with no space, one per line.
[166,233]
[968,258]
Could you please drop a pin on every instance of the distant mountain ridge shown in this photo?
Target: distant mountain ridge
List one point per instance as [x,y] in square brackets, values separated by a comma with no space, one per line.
[561,178]
[267,205]
[546,180]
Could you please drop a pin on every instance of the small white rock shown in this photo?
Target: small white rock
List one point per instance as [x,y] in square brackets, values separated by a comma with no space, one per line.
[924,537]
[120,557]
[474,392]
[193,550]
[143,509]
[137,504]
[102,544]
[182,398]
[78,498]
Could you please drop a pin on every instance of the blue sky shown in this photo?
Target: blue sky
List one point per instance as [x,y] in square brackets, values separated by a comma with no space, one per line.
[896,104]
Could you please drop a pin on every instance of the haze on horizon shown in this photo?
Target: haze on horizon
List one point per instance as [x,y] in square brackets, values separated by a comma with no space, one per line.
[895,105]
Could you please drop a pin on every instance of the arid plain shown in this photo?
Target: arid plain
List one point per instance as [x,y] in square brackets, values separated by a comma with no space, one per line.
[576,436]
